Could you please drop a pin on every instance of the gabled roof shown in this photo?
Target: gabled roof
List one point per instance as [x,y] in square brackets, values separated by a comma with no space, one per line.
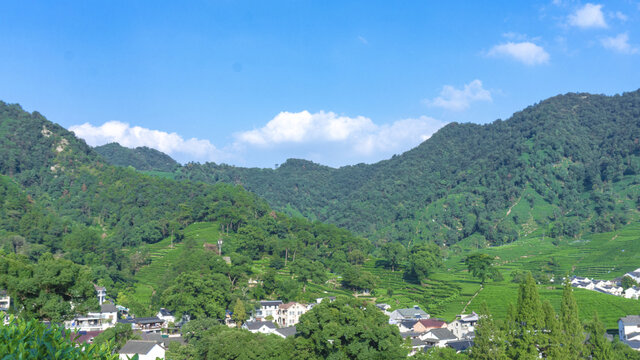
[255,325]
[442,334]
[288,305]
[287,331]
[137,347]
[271,303]
[108,308]
[408,323]
[630,320]
[432,323]
[148,320]
[409,334]
[460,345]
[412,313]
[416,342]
[165,312]
[99,288]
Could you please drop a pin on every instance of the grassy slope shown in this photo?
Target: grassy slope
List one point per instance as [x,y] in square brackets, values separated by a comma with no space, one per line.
[604,256]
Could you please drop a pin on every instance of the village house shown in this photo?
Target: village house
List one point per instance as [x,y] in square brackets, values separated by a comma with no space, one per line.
[289,314]
[95,321]
[406,325]
[166,316]
[145,324]
[268,308]
[464,325]
[146,350]
[263,327]
[629,331]
[5,300]
[635,275]
[438,337]
[414,313]
[632,293]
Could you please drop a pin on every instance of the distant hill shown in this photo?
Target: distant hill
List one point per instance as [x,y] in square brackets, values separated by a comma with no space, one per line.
[141,158]
[567,165]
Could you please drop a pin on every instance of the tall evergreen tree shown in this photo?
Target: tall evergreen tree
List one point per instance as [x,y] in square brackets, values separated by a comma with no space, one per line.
[599,347]
[489,343]
[529,322]
[573,331]
[552,348]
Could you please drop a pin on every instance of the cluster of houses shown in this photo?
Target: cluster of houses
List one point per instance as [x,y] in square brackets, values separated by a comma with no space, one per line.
[426,332]
[611,287]
[153,330]
[279,318]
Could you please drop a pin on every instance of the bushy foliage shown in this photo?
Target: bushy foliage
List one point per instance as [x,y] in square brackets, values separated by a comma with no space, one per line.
[31,339]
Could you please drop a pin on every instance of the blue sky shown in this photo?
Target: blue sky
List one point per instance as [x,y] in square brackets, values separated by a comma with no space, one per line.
[336,82]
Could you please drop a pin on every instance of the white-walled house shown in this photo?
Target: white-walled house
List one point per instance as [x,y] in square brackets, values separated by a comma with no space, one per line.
[289,314]
[95,321]
[268,308]
[632,293]
[166,316]
[629,330]
[146,350]
[464,325]
[635,275]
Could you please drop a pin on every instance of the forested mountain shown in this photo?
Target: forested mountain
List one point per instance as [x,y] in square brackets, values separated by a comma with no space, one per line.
[58,196]
[141,158]
[564,166]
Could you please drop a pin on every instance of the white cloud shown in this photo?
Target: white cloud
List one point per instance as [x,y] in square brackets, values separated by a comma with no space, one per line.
[128,136]
[619,44]
[588,16]
[336,140]
[459,99]
[526,52]
[363,40]
[620,16]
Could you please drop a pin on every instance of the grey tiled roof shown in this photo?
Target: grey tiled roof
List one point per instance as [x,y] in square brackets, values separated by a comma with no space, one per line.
[631,320]
[443,334]
[287,331]
[137,347]
[255,325]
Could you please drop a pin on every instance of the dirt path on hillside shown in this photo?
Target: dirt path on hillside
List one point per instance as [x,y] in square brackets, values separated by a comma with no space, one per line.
[464,311]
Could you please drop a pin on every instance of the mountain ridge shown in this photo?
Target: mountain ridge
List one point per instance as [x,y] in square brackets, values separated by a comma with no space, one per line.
[569,149]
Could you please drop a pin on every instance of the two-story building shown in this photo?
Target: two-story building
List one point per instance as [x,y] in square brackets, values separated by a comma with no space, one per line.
[289,313]
[268,309]
[95,321]
[629,331]
[464,325]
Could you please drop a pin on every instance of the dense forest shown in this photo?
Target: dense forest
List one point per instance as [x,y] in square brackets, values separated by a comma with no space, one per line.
[572,161]
[63,206]
[141,158]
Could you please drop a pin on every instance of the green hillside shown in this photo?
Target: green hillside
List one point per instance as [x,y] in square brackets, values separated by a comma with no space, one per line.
[567,166]
[141,158]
